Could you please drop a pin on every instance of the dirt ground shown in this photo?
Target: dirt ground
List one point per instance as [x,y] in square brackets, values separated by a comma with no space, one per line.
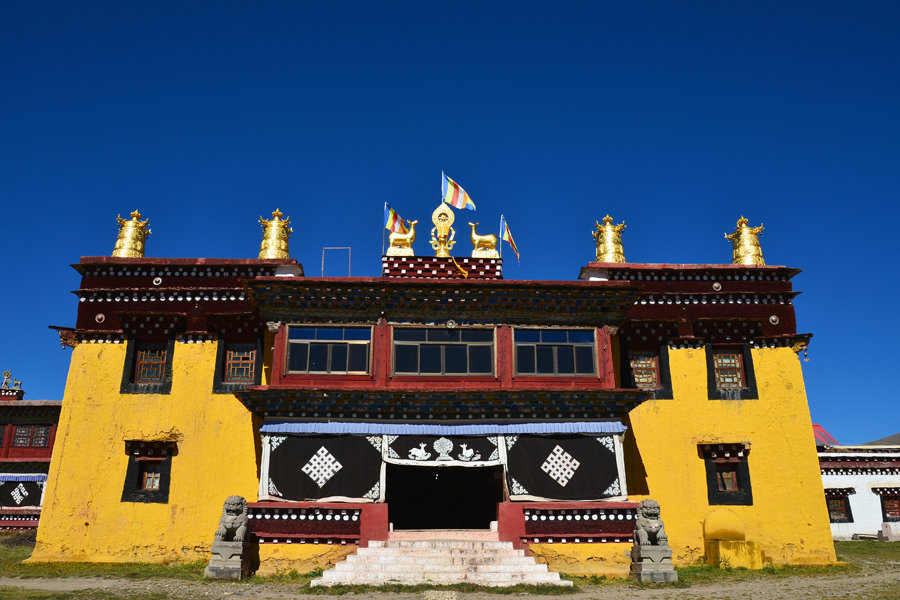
[878,581]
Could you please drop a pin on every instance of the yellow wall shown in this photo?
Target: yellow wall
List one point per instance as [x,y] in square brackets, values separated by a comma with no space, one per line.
[83,517]
[788,517]
[610,559]
[303,558]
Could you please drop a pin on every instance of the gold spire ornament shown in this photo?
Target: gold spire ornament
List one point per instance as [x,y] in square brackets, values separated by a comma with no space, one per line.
[608,238]
[132,236]
[400,244]
[745,242]
[483,246]
[442,233]
[275,236]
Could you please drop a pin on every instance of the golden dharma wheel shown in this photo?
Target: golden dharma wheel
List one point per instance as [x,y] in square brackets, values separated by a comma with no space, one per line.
[132,236]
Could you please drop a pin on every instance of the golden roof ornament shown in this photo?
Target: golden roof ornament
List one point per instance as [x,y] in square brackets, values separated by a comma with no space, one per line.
[442,233]
[483,246]
[745,241]
[400,244]
[608,238]
[132,236]
[275,236]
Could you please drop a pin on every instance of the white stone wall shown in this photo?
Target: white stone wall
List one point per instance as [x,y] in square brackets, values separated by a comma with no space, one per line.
[865,506]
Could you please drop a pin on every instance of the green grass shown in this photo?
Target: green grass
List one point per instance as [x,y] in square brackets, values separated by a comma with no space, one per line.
[9,593]
[860,552]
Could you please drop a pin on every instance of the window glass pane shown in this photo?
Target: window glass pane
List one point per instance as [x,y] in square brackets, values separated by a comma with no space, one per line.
[565,360]
[477,335]
[297,355]
[430,359]
[727,367]
[455,360]
[584,360]
[40,437]
[329,333]
[553,336]
[150,363]
[525,359]
[302,333]
[528,335]
[240,363]
[443,335]
[643,369]
[581,336]
[357,333]
[318,357]
[338,357]
[409,335]
[406,359]
[480,360]
[22,436]
[545,359]
[359,357]
[891,508]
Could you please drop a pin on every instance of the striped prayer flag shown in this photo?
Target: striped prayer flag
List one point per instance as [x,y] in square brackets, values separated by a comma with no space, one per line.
[454,195]
[507,236]
[392,220]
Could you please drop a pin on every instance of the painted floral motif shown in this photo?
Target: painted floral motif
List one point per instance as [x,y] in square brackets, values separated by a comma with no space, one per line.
[275,441]
[273,491]
[443,447]
[374,493]
[495,455]
[388,440]
[614,489]
[607,441]
[510,441]
[375,440]
[517,488]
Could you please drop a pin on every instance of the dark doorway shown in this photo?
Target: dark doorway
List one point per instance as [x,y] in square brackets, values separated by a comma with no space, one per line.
[443,497]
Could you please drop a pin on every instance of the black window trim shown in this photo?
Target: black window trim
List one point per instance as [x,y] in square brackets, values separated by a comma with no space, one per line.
[129,386]
[742,497]
[748,392]
[132,490]
[229,387]
[664,391]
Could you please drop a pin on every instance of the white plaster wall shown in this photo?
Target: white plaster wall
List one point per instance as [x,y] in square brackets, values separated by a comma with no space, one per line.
[865,506]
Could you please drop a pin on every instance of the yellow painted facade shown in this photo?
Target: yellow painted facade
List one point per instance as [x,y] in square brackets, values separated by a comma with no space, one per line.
[216,439]
[788,518]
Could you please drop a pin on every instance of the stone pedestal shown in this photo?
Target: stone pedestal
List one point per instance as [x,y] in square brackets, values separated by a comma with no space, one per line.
[652,563]
[735,554]
[229,561]
[890,532]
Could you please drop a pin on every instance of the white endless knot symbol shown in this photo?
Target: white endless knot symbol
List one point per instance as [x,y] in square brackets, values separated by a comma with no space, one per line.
[322,466]
[560,466]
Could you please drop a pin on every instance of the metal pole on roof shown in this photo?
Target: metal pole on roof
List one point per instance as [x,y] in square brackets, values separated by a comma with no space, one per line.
[349,257]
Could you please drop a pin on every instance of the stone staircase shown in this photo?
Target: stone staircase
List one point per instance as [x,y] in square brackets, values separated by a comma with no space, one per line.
[441,562]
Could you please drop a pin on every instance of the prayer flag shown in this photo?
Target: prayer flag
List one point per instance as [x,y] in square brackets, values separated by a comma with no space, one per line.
[454,195]
[392,220]
[506,235]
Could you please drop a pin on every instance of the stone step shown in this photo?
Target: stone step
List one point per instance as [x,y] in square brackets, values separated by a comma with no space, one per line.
[432,568]
[437,559]
[506,579]
[455,552]
[449,542]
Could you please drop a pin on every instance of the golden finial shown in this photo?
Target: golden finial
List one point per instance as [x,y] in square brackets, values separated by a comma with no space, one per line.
[400,244]
[483,246]
[608,238]
[745,241]
[443,233]
[132,236]
[275,236]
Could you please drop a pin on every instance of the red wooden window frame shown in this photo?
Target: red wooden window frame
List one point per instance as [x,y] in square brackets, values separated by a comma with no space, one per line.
[891,507]
[838,508]
[24,436]
[150,363]
[727,476]
[729,375]
[240,363]
[644,365]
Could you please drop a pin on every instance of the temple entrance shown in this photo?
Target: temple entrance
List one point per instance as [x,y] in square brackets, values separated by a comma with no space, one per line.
[421,497]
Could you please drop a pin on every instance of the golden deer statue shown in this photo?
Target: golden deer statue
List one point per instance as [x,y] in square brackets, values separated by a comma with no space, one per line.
[484,246]
[400,244]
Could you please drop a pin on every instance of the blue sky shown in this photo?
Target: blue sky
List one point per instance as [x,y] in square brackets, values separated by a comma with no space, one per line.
[676,117]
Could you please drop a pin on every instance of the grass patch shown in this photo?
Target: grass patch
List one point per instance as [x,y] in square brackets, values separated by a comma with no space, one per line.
[867,551]
[9,593]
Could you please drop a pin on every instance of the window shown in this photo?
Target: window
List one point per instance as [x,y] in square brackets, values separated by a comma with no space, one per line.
[839,510]
[727,474]
[730,373]
[728,370]
[148,367]
[149,479]
[328,349]
[890,508]
[554,351]
[645,369]
[31,436]
[237,366]
[443,351]
[147,475]
[150,363]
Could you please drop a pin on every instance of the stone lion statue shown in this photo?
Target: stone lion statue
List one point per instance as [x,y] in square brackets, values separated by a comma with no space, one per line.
[648,527]
[233,524]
